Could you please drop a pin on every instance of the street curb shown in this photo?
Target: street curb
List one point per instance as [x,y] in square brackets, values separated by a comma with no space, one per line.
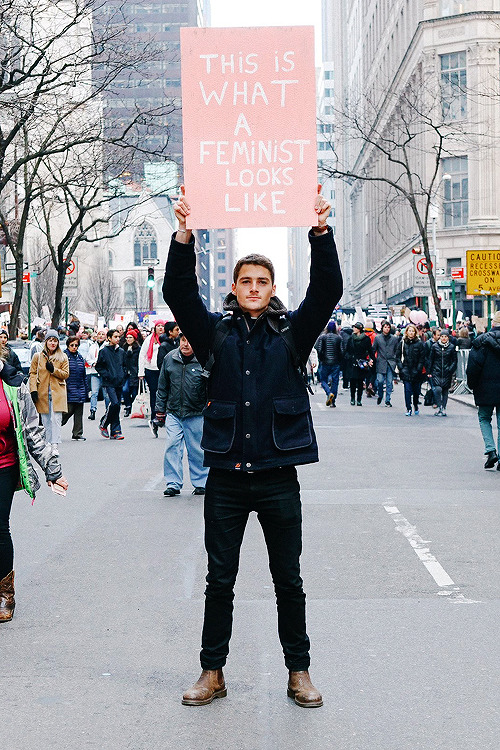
[462,401]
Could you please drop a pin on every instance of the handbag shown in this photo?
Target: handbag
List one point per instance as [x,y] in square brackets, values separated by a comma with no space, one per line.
[429,397]
[141,408]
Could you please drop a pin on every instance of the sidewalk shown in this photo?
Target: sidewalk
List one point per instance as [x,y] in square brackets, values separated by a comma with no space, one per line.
[464,398]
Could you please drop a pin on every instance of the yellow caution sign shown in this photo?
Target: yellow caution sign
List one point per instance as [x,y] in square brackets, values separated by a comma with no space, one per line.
[483,271]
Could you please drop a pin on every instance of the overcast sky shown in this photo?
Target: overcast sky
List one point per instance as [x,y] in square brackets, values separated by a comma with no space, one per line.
[271,241]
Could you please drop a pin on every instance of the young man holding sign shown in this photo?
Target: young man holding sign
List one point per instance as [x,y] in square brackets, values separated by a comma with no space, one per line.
[257,428]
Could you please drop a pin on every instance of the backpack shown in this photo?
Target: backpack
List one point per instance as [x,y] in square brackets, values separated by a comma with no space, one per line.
[285,331]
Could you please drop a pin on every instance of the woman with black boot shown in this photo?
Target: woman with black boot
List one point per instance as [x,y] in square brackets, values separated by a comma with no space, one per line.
[20,436]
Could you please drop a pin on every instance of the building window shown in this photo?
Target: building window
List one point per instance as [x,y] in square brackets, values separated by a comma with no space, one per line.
[453,7]
[129,293]
[110,259]
[454,86]
[221,256]
[221,269]
[452,263]
[145,244]
[456,192]
[221,282]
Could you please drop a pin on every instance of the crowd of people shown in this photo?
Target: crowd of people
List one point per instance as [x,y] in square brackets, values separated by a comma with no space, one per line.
[370,361]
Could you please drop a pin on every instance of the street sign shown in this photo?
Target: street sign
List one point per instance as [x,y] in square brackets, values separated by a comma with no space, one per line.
[421,276]
[483,271]
[71,279]
[458,273]
[26,277]
[150,261]
[12,266]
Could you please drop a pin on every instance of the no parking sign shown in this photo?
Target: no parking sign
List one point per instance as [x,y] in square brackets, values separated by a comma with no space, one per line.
[421,283]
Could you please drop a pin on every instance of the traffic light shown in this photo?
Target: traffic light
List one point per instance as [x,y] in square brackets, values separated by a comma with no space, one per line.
[151,277]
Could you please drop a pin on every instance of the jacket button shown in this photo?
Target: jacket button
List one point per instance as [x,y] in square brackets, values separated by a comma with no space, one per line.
[248,465]
[247,372]
[247,435]
[247,403]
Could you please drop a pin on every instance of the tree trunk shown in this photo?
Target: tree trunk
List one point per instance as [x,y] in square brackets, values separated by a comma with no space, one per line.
[61,276]
[432,280]
[18,297]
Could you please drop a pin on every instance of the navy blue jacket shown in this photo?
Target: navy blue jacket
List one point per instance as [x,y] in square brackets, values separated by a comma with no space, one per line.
[111,366]
[257,415]
[483,368]
[76,385]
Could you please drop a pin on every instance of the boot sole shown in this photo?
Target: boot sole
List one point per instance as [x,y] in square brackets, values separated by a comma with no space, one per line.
[311,704]
[7,619]
[217,694]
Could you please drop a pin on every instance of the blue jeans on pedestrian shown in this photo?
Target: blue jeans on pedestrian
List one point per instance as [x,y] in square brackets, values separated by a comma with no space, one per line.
[385,379]
[440,395]
[329,378]
[412,391]
[182,432]
[129,392]
[95,384]
[485,413]
[230,497]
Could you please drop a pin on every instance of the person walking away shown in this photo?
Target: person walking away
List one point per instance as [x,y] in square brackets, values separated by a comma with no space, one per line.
[21,437]
[410,361]
[345,335]
[76,388]
[385,347]
[169,342]
[483,378]
[358,358]
[11,357]
[442,367]
[95,378]
[148,368]
[49,371]
[464,341]
[180,400]
[329,348]
[257,428]
[111,367]
[131,348]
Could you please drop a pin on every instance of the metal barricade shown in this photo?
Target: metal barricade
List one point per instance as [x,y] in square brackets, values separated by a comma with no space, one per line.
[461,386]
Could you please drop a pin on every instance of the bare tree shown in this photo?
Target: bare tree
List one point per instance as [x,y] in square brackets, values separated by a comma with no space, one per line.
[55,65]
[397,146]
[101,295]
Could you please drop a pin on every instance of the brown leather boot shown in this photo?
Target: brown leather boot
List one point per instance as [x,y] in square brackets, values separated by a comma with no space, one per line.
[7,602]
[210,685]
[301,689]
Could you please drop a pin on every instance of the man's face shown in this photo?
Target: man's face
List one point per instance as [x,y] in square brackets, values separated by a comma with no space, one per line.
[253,289]
[114,338]
[3,339]
[185,347]
[174,332]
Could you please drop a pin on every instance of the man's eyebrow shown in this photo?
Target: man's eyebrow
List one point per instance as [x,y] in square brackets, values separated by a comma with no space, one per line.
[259,278]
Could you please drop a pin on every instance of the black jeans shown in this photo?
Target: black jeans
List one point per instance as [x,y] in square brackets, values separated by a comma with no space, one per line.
[112,415]
[75,410]
[152,377]
[9,477]
[357,386]
[274,495]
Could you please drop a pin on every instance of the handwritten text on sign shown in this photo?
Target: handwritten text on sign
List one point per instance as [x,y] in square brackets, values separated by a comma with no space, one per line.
[249,125]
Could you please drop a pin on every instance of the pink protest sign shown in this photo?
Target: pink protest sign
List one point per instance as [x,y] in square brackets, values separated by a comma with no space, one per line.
[249,126]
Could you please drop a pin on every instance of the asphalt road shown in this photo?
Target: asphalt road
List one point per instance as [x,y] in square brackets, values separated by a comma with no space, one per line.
[401,569]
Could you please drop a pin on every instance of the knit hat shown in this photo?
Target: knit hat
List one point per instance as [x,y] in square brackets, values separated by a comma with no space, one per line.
[51,334]
[359,326]
[331,327]
[445,332]
[131,332]
[2,330]
[496,319]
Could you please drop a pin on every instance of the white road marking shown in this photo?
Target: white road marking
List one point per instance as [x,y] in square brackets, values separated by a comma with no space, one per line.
[421,549]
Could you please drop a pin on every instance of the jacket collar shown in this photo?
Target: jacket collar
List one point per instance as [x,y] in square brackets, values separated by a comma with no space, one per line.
[276,307]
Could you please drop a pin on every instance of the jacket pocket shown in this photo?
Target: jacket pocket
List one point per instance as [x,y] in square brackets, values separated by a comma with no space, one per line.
[219,426]
[292,424]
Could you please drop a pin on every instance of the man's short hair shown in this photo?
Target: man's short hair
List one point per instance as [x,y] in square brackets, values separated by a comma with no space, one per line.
[111,332]
[254,259]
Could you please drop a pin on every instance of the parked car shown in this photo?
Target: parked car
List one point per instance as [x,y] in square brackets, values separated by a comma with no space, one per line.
[22,349]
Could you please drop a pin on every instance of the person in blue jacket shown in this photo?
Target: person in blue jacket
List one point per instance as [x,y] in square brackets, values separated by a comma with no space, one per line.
[76,387]
[257,428]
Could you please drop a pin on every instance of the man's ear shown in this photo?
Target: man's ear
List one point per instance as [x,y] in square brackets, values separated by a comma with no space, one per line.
[274,290]
[233,288]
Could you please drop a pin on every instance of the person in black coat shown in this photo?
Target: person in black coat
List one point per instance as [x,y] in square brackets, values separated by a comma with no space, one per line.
[345,334]
[111,367]
[483,377]
[12,358]
[329,348]
[410,360]
[358,351]
[76,388]
[131,348]
[169,342]
[257,428]
[443,362]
